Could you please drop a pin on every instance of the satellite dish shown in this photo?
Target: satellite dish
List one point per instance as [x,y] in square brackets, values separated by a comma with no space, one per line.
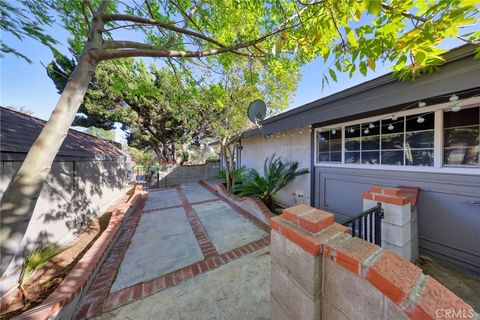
[257,111]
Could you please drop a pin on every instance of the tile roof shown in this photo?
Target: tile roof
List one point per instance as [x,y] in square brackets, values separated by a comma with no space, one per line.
[18,131]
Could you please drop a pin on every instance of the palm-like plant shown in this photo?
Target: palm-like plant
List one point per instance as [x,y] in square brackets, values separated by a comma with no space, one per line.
[276,175]
[236,176]
[34,261]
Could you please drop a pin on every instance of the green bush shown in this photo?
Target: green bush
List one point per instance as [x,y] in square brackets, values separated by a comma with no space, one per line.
[238,175]
[276,175]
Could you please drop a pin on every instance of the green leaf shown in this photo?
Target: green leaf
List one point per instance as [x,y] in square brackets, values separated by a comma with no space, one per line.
[363,68]
[333,75]
[374,7]
[351,37]
[420,57]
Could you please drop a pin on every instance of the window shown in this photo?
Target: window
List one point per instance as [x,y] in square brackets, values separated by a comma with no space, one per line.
[461,137]
[432,137]
[419,131]
[329,145]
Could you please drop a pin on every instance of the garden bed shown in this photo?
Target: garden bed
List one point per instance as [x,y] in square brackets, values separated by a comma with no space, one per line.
[44,282]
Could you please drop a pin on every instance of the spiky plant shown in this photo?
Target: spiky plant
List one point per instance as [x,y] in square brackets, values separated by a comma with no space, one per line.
[276,175]
[237,176]
[34,261]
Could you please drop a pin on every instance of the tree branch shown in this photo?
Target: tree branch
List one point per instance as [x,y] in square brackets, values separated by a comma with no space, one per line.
[168,26]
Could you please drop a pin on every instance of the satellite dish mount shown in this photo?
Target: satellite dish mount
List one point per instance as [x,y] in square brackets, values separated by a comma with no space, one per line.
[257,110]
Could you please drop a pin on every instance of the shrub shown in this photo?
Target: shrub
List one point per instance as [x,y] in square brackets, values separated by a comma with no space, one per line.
[276,175]
[238,175]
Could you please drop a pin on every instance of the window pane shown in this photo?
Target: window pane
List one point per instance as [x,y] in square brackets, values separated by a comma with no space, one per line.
[367,131]
[392,141]
[352,157]
[323,146]
[462,156]
[336,157]
[329,145]
[371,143]
[419,157]
[462,137]
[371,157]
[352,144]
[323,156]
[323,136]
[352,132]
[414,125]
[420,140]
[464,117]
[397,126]
[336,145]
[336,134]
[392,157]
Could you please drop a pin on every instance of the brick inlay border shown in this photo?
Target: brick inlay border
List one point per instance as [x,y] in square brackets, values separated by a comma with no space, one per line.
[92,303]
[172,279]
[179,206]
[206,245]
[259,223]
[99,299]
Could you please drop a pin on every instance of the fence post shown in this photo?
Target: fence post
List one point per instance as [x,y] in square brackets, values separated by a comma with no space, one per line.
[399,227]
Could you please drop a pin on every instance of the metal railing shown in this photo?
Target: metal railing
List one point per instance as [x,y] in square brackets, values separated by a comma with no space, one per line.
[367,225]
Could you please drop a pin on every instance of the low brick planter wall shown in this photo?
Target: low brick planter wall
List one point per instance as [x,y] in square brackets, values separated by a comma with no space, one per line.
[320,272]
[246,203]
[62,303]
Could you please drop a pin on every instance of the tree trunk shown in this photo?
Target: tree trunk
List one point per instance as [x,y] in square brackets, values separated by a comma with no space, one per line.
[21,196]
[226,165]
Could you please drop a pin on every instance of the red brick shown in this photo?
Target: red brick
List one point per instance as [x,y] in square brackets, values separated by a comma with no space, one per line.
[316,220]
[433,297]
[367,195]
[400,200]
[393,275]
[169,280]
[392,191]
[307,241]
[147,288]
[276,223]
[203,266]
[124,296]
[292,213]
[178,277]
[210,263]
[159,284]
[187,273]
[352,253]
[376,189]
[95,310]
[112,301]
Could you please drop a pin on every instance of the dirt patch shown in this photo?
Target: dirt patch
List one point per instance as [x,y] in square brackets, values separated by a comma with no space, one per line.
[43,282]
[464,286]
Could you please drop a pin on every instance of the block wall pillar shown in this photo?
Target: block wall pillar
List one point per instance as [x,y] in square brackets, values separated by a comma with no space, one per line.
[400,223]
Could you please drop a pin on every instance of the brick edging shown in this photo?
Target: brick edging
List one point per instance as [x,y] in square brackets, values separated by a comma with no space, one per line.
[418,296]
[230,198]
[204,242]
[78,280]
[141,290]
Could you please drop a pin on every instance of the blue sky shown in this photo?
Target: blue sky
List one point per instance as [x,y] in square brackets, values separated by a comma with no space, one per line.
[27,85]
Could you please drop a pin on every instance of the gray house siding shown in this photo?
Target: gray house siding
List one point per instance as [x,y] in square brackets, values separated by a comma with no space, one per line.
[449,218]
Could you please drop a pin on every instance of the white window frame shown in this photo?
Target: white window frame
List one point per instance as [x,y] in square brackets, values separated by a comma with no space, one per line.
[438,166]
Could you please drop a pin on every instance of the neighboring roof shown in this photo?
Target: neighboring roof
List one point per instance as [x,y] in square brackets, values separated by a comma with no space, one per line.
[459,73]
[19,131]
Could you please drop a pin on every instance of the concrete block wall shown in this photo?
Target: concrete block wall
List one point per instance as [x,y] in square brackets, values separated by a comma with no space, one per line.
[74,193]
[320,272]
[400,223]
[290,145]
[172,174]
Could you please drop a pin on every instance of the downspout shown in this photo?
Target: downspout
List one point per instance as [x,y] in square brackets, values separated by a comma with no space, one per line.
[312,166]
[239,153]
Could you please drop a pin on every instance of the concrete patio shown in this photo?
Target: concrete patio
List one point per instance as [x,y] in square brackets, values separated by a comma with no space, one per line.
[189,253]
